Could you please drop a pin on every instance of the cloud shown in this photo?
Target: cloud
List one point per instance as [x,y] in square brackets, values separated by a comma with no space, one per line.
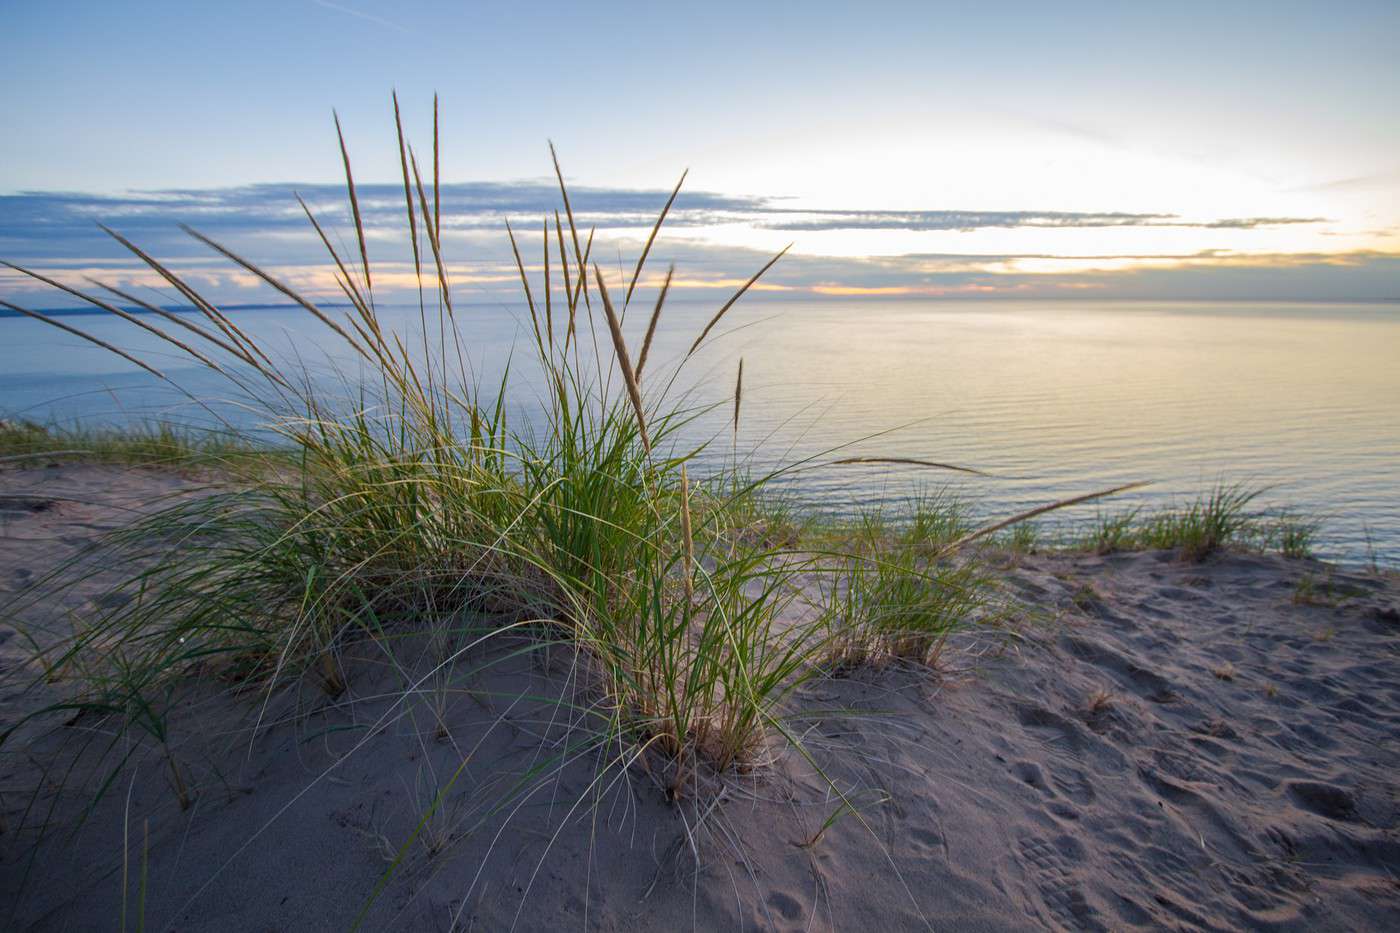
[978,220]
[1249,223]
[57,232]
[28,219]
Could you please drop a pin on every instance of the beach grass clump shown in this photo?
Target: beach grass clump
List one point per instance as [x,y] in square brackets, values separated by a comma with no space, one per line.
[1294,535]
[896,606]
[933,520]
[752,511]
[401,509]
[1222,518]
[406,502]
[896,592]
[1206,525]
[1111,533]
[698,653]
[155,443]
[1021,539]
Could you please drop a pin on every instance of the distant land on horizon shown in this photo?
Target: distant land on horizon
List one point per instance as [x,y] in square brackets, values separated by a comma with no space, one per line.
[74,310]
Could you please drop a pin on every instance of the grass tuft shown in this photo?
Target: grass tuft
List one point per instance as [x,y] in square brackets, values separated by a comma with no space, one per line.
[155,443]
[893,594]
[1223,518]
[390,510]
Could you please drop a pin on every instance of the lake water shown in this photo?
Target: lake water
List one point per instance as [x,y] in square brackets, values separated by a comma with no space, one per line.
[1054,397]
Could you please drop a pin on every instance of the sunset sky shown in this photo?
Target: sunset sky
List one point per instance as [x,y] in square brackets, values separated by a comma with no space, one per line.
[1184,150]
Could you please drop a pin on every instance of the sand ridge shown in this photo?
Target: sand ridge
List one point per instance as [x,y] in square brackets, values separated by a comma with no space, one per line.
[1190,746]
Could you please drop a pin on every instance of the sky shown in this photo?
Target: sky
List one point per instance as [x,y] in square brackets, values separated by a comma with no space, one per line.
[1082,150]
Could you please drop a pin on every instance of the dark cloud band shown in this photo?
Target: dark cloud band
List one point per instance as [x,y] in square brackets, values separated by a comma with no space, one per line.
[31,217]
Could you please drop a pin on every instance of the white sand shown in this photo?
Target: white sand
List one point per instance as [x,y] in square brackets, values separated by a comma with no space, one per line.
[1238,770]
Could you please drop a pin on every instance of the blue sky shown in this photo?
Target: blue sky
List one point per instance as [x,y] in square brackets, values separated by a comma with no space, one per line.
[1143,150]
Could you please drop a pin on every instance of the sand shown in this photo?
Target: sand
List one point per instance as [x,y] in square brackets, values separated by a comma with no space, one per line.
[1155,745]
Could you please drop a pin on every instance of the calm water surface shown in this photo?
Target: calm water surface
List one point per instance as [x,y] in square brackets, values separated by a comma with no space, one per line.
[1054,397]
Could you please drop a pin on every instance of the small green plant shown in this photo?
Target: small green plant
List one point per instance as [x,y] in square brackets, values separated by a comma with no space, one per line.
[1085,597]
[1024,539]
[1311,591]
[151,443]
[1372,560]
[1295,537]
[1205,525]
[935,520]
[1018,540]
[893,606]
[1220,519]
[1111,533]
[1289,532]
[895,595]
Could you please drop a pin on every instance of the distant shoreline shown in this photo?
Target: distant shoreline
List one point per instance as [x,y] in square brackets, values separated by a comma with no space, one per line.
[776,299]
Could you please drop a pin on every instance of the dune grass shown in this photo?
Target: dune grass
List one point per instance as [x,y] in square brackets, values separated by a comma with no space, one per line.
[405,508]
[154,443]
[892,594]
[412,502]
[1222,518]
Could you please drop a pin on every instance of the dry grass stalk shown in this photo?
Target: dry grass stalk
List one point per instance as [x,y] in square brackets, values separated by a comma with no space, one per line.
[641,260]
[349,282]
[1032,513]
[437,197]
[909,461]
[651,325]
[407,195]
[173,318]
[525,283]
[113,309]
[548,297]
[687,538]
[569,212]
[284,289]
[354,203]
[738,397]
[634,392]
[582,284]
[88,337]
[434,233]
[230,330]
[568,281]
[270,374]
[737,295]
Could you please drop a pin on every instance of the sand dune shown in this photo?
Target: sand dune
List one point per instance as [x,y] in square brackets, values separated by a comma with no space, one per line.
[1156,745]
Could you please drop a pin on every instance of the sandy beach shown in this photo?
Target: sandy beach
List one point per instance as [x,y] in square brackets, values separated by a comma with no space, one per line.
[1150,744]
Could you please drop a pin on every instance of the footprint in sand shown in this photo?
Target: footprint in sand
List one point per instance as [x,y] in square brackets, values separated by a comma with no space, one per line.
[1066,746]
[786,906]
[1146,683]
[1046,864]
[1028,772]
[1326,800]
[1074,784]
[927,842]
[1066,735]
